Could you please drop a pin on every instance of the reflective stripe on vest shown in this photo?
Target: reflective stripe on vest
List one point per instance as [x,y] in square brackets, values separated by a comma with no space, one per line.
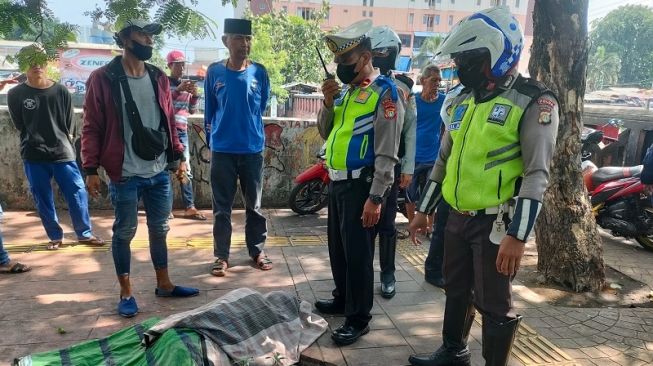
[350,144]
[485,160]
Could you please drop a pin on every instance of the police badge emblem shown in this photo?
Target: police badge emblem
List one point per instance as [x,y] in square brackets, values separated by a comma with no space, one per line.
[499,114]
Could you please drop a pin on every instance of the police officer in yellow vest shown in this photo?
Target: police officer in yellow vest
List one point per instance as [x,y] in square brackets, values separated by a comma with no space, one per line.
[362,123]
[498,144]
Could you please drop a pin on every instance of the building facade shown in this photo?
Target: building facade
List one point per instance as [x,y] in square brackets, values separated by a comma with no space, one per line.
[413,20]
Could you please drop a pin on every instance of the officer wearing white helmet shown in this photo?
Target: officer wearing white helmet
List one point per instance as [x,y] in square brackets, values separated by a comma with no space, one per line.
[498,144]
[386,47]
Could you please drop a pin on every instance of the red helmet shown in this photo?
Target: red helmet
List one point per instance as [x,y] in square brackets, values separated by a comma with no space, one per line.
[175,56]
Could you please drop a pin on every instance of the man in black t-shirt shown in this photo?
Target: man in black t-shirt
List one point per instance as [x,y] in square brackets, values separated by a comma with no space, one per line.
[41,110]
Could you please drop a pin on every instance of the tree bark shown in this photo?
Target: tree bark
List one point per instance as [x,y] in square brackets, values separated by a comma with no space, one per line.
[570,251]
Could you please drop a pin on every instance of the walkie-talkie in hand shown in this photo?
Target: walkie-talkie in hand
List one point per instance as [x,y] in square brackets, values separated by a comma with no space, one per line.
[328,74]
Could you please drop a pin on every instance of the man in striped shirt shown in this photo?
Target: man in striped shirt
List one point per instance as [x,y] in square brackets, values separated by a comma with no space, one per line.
[184,99]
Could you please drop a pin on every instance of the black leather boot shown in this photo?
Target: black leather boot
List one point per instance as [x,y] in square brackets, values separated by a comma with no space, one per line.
[387,249]
[458,319]
[497,340]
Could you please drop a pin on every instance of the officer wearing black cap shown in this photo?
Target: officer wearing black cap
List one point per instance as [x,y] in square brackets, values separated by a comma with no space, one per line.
[237,91]
[362,124]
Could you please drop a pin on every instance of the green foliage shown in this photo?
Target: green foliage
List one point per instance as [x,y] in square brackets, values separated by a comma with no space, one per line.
[277,359]
[602,69]
[275,61]
[298,39]
[427,51]
[34,21]
[628,32]
[176,17]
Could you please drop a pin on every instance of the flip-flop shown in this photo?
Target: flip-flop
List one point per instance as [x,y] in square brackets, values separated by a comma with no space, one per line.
[16,268]
[219,268]
[263,262]
[54,244]
[92,241]
[196,216]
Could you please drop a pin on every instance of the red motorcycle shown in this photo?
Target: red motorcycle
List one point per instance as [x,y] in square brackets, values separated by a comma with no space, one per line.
[619,202]
[311,193]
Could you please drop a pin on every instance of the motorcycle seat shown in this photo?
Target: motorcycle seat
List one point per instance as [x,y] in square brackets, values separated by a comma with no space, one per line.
[611,173]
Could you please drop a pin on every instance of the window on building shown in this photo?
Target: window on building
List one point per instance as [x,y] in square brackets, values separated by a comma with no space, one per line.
[370,14]
[284,9]
[371,2]
[504,2]
[345,10]
[428,21]
[450,19]
[437,19]
[305,13]
[364,2]
[431,3]
[262,6]
[405,40]
[364,13]
[478,2]
[453,1]
[439,1]
[411,18]
[516,3]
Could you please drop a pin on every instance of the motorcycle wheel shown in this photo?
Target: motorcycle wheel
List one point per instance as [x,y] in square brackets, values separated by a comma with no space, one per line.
[646,241]
[309,197]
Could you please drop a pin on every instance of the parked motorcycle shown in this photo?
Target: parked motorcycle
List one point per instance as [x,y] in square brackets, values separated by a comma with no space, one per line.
[619,202]
[596,139]
[311,193]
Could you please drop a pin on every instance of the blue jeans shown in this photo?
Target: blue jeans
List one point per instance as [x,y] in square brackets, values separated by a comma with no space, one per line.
[420,178]
[72,186]
[4,256]
[186,189]
[124,197]
[225,169]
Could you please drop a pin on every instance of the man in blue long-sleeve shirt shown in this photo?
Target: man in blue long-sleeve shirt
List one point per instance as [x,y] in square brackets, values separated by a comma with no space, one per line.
[237,91]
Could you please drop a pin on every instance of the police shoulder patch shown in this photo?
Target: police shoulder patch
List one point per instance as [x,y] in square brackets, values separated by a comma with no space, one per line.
[545,117]
[389,109]
[499,114]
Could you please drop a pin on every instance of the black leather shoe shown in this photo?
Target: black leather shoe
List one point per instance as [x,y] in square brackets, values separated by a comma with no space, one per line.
[348,334]
[442,357]
[388,290]
[330,306]
[435,281]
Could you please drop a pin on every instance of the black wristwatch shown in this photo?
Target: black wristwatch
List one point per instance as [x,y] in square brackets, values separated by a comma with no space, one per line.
[376,199]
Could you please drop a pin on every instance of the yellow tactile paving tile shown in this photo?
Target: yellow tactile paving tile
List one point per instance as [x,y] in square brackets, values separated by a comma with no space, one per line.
[530,348]
[174,243]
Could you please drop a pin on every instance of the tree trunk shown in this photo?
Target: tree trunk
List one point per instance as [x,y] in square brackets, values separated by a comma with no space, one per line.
[570,251]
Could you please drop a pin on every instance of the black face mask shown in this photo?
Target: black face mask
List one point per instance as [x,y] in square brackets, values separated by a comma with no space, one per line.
[346,73]
[141,52]
[471,74]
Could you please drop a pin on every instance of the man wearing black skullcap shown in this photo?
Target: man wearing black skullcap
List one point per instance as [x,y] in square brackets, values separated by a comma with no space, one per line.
[237,91]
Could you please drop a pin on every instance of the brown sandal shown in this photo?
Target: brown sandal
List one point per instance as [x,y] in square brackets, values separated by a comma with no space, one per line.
[95,241]
[263,262]
[16,268]
[196,216]
[219,268]
[54,244]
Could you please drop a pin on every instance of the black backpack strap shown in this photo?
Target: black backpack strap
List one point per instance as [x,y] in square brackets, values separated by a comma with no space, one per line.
[131,109]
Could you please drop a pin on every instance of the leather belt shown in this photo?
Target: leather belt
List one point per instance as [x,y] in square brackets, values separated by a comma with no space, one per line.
[338,175]
[488,211]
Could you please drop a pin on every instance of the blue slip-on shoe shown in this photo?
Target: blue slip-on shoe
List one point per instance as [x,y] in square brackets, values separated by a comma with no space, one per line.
[178,291]
[127,307]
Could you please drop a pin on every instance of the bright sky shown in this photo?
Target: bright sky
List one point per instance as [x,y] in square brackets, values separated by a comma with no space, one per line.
[214,9]
[211,8]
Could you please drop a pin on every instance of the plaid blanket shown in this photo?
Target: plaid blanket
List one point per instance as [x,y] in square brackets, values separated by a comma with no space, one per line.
[249,326]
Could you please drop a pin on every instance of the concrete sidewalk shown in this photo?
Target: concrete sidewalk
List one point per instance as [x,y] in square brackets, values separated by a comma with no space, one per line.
[75,289]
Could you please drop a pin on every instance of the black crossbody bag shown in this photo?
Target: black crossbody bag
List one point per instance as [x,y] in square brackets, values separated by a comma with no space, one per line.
[147,143]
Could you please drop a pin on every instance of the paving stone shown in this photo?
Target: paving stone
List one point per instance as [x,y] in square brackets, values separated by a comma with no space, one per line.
[396,355]
[583,330]
[419,326]
[378,338]
[625,360]
[425,344]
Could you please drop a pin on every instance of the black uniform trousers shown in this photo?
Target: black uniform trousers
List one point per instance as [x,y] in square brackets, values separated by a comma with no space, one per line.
[470,270]
[351,248]
[387,228]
